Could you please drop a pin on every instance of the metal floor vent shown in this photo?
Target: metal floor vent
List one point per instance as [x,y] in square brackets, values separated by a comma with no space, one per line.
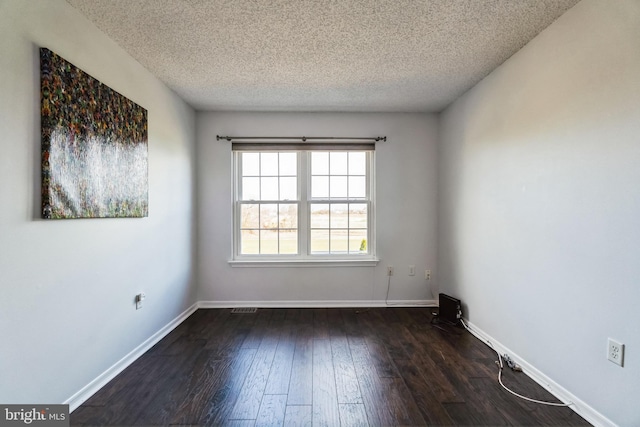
[244,310]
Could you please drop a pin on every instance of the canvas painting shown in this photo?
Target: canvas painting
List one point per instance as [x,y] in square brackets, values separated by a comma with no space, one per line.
[94,146]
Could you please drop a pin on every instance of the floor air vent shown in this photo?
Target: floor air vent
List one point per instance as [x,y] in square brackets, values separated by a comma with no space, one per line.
[244,310]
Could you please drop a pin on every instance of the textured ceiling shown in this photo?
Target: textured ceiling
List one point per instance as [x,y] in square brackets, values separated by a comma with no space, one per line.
[321,55]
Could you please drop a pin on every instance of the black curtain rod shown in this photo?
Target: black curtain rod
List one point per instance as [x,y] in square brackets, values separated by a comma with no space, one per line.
[298,138]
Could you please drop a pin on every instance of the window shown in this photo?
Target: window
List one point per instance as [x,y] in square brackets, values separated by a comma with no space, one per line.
[268,203]
[305,205]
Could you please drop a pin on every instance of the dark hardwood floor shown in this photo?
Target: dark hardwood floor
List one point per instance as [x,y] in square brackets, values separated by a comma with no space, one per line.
[320,367]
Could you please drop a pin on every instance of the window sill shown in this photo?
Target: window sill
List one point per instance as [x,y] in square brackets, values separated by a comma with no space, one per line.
[368,262]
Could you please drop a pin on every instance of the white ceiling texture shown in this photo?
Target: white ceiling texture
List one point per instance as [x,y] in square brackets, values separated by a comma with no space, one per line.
[321,55]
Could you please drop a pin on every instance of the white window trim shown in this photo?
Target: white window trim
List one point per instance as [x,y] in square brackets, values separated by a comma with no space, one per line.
[304,258]
[368,262]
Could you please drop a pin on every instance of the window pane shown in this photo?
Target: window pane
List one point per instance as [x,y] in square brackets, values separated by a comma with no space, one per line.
[249,216]
[320,187]
[357,187]
[249,243]
[269,189]
[357,163]
[269,216]
[268,241]
[269,164]
[288,164]
[358,215]
[288,188]
[338,187]
[320,163]
[319,216]
[339,216]
[338,163]
[268,200]
[339,241]
[250,188]
[319,241]
[358,241]
[250,164]
[288,215]
[288,241]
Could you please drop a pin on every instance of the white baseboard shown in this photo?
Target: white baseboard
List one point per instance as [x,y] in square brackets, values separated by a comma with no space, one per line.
[577,405]
[90,389]
[317,304]
[410,303]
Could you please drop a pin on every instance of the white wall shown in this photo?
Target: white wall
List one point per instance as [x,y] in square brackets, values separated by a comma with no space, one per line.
[539,203]
[67,286]
[406,211]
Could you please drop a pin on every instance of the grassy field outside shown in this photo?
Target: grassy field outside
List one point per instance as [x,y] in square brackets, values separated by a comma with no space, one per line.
[288,243]
[336,230]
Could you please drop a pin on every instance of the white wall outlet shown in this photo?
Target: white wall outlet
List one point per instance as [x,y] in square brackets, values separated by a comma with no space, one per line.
[390,270]
[139,298]
[412,270]
[427,275]
[615,352]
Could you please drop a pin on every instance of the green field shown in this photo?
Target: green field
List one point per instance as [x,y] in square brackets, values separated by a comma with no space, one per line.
[250,244]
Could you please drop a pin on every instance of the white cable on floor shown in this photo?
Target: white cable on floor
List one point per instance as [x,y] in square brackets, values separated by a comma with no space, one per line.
[501,366]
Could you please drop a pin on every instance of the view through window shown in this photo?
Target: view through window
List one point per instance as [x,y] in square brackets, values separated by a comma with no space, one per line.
[305,204]
[269,203]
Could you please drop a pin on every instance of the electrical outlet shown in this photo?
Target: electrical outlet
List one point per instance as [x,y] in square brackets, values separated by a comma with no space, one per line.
[139,298]
[412,270]
[390,270]
[427,275]
[615,352]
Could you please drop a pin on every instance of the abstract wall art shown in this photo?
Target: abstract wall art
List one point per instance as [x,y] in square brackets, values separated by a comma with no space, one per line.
[94,146]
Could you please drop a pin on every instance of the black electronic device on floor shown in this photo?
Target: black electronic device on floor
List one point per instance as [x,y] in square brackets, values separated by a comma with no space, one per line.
[450,309]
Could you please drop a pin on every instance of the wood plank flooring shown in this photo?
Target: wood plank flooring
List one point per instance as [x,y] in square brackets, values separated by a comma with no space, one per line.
[318,367]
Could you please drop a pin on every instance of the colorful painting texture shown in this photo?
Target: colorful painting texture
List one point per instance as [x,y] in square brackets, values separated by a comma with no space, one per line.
[94,146]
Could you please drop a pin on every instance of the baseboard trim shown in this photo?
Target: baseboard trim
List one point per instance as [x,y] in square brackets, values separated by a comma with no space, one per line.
[90,389]
[410,303]
[578,406]
[317,304]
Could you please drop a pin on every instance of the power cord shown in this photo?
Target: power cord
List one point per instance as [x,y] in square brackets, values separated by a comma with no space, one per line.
[435,322]
[386,299]
[515,367]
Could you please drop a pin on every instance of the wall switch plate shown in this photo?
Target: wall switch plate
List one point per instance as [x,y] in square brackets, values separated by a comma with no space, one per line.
[412,270]
[615,352]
